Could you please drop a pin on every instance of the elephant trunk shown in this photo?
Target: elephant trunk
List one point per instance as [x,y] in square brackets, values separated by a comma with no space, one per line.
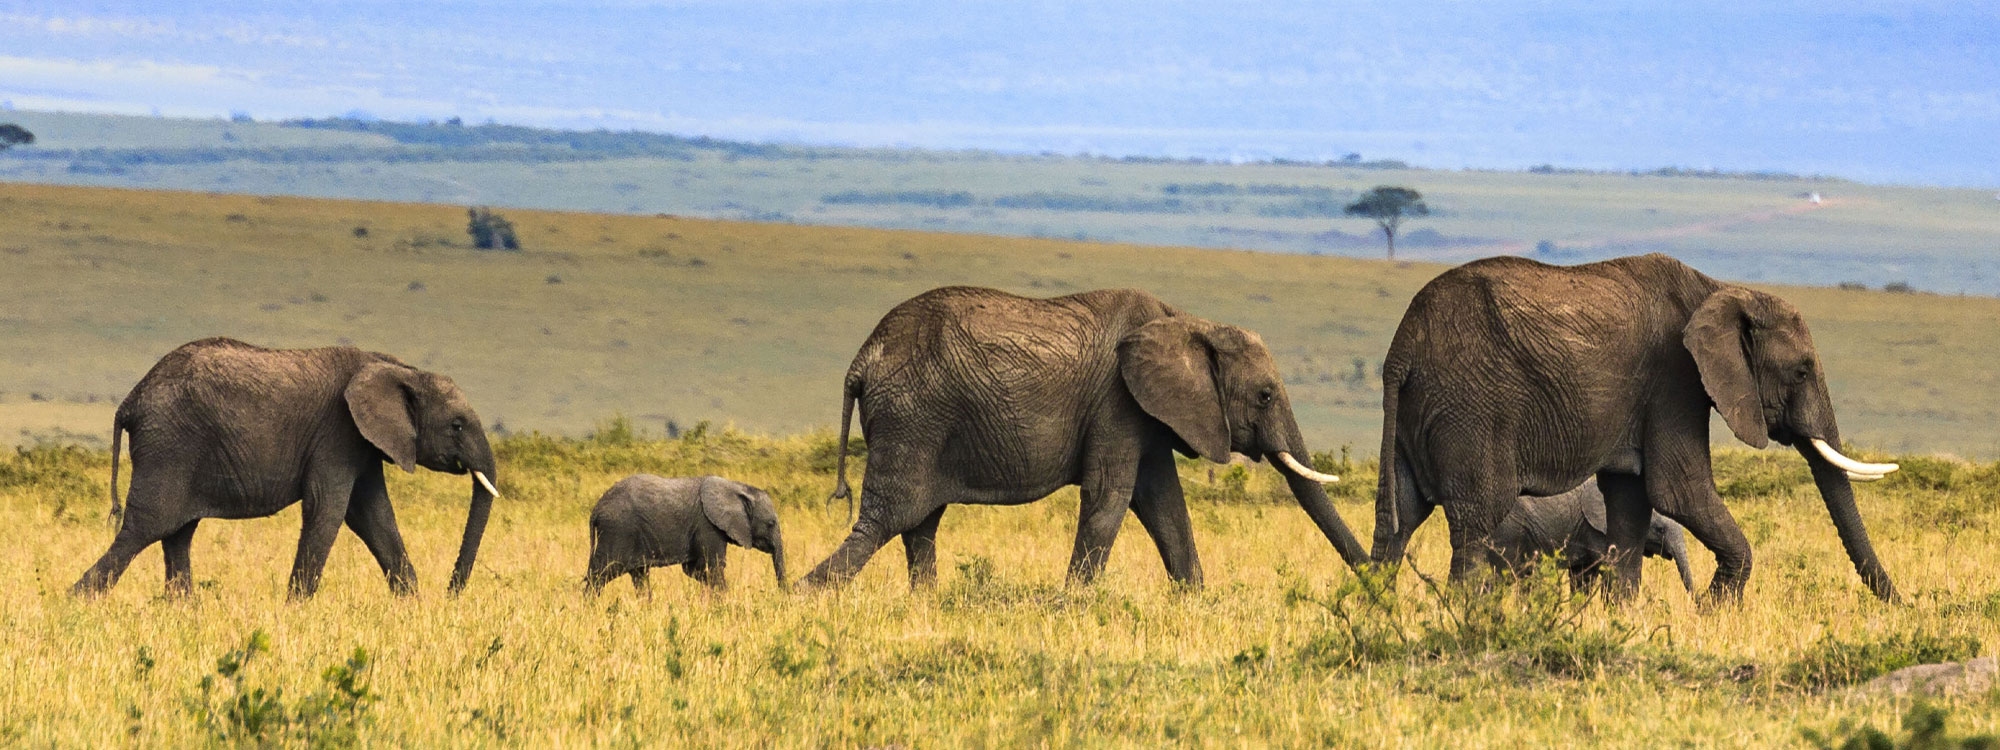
[778,560]
[1677,550]
[1312,497]
[483,493]
[1838,493]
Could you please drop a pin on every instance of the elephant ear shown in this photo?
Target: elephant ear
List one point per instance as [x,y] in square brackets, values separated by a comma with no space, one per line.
[727,509]
[379,397]
[1717,336]
[1169,367]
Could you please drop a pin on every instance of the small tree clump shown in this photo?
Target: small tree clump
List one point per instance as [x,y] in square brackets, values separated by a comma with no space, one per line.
[1388,205]
[489,231]
[12,135]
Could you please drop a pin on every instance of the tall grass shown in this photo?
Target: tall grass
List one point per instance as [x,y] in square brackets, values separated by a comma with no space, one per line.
[1283,647]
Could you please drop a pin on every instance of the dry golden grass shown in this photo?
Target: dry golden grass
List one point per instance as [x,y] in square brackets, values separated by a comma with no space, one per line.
[1000,654]
[665,318]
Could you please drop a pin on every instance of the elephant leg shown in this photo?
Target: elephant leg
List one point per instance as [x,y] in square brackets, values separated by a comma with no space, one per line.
[373,519]
[1716,529]
[920,550]
[1412,509]
[603,566]
[1478,512]
[639,575]
[325,507]
[1627,515]
[180,571]
[891,503]
[1162,510]
[708,570]
[1102,512]
[142,526]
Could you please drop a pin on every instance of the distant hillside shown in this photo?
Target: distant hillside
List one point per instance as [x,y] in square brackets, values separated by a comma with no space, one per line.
[1758,227]
[684,320]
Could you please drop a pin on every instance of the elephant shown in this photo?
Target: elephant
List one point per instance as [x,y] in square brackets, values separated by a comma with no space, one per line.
[1508,376]
[1573,523]
[977,396]
[646,521]
[225,429]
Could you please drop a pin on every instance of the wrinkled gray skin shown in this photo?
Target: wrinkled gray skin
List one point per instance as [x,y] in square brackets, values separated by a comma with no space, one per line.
[1510,377]
[1573,523]
[224,429]
[976,396]
[646,521]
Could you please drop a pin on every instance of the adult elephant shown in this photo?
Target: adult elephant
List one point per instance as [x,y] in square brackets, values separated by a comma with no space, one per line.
[978,396]
[224,429]
[1511,377]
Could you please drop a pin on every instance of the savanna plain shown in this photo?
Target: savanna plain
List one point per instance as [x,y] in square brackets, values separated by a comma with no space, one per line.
[737,333]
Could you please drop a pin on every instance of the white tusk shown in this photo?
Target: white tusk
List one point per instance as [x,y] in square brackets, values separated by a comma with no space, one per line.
[1863,477]
[487,483]
[1301,470]
[1852,466]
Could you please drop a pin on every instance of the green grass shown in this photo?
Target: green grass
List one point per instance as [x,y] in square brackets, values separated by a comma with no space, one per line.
[1283,647]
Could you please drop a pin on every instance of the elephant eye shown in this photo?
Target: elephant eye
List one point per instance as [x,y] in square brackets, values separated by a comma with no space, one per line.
[1264,397]
[458,424]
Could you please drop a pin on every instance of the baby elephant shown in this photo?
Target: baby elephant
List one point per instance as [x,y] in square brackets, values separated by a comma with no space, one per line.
[646,521]
[1574,523]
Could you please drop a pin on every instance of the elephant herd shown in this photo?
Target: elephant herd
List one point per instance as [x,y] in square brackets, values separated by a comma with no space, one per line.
[1543,408]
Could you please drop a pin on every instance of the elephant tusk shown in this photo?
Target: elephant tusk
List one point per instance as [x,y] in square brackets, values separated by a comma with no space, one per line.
[1875,471]
[487,483]
[1859,477]
[1302,470]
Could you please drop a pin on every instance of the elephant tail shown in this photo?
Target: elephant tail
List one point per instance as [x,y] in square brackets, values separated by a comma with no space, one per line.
[118,430]
[1387,515]
[850,390]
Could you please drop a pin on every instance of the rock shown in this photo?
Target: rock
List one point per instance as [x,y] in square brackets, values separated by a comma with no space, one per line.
[1973,676]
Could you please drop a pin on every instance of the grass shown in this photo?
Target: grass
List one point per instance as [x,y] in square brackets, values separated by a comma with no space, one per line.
[690,319]
[1283,647]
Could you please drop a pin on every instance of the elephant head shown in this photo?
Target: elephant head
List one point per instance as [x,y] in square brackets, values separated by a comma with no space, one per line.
[419,418]
[1760,369]
[1217,388]
[746,515]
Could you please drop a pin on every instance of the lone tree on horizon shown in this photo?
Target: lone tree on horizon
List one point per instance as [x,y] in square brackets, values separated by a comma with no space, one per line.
[12,135]
[1387,205]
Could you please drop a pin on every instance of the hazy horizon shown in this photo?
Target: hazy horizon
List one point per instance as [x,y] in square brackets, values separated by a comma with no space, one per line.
[1904,95]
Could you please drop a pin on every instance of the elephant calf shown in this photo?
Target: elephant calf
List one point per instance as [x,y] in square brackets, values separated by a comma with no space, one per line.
[1573,522]
[646,521]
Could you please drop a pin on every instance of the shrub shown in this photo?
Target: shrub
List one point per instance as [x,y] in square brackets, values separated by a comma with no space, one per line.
[1539,621]
[234,712]
[1923,729]
[489,231]
[1831,662]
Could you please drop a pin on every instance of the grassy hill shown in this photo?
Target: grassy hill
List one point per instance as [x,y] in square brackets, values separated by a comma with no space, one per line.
[1756,227]
[665,318]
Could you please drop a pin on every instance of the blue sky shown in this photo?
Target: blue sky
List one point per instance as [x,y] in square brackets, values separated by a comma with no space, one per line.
[1884,92]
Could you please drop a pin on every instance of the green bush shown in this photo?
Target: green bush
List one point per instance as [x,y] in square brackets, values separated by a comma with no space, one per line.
[1539,620]
[1831,662]
[237,713]
[1923,729]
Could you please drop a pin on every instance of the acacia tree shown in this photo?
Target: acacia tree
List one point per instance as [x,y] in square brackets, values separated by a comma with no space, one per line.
[12,135]
[1388,205]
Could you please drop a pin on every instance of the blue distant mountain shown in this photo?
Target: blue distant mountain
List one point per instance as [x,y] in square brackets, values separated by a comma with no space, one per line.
[1898,92]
